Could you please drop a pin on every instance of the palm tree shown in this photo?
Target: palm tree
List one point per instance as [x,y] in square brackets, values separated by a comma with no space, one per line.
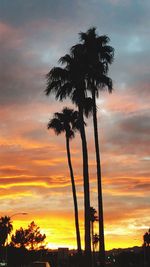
[95,241]
[5,229]
[97,55]
[69,82]
[67,122]
[146,238]
[93,218]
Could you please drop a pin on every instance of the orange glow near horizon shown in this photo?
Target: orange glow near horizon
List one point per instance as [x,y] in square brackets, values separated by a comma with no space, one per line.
[60,234]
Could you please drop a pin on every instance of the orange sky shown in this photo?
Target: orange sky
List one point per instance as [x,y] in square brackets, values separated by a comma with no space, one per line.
[34,176]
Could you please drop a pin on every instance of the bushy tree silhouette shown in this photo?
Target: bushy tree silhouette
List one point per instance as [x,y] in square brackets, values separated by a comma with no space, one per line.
[29,238]
[20,238]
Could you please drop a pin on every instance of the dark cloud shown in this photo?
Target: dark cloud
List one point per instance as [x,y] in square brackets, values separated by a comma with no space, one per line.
[19,12]
[127,133]
[11,171]
[36,34]
[137,124]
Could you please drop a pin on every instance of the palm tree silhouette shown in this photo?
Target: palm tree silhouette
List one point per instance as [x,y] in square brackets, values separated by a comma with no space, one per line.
[93,218]
[97,55]
[146,238]
[67,122]
[5,229]
[69,82]
[95,241]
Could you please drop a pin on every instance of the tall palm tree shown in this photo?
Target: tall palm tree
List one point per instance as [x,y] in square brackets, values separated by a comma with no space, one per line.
[97,55]
[5,229]
[67,122]
[69,82]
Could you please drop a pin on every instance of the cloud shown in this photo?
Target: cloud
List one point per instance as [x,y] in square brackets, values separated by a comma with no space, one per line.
[35,10]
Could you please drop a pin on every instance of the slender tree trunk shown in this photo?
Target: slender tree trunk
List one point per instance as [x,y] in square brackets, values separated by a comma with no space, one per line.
[74,197]
[92,235]
[86,190]
[99,186]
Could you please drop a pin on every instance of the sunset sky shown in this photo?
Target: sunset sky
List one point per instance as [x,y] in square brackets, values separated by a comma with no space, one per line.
[34,176]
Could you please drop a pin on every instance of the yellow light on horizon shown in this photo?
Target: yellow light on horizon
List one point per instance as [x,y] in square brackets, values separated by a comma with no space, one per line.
[60,232]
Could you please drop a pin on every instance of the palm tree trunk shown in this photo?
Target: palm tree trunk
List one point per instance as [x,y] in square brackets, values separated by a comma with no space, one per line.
[99,186]
[92,235]
[86,189]
[74,197]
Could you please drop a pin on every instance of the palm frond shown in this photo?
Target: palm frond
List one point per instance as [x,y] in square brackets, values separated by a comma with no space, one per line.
[88,106]
[57,73]
[65,59]
[71,134]
[64,91]
[82,36]
[103,82]
[77,51]
[103,40]
[91,33]
[52,87]
[56,78]
[107,54]
[77,96]
[56,125]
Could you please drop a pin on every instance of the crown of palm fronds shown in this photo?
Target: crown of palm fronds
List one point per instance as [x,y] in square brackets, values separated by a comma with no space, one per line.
[93,215]
[95,46]
[66,121]
[96,239]
[6,228]
[90,34]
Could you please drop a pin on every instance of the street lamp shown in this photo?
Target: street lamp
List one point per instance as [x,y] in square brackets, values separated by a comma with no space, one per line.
[15,214]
